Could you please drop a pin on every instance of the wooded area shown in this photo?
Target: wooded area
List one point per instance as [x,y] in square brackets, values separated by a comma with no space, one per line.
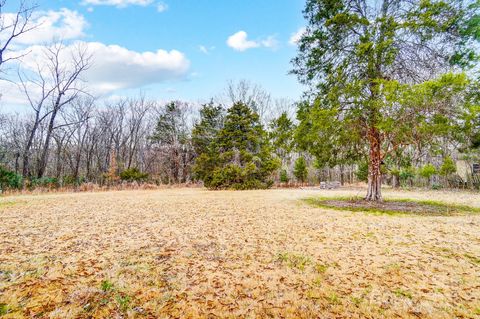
[393,99]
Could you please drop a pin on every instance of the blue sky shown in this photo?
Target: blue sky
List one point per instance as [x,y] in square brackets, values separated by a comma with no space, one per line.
[199,31]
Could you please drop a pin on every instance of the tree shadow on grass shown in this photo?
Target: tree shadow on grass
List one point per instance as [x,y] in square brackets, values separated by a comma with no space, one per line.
[393,206]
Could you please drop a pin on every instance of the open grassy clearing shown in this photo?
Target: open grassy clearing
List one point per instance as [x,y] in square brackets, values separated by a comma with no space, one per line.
[195,253]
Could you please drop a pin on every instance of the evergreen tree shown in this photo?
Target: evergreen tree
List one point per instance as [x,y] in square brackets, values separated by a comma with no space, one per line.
[172,141]
[284,176]
[170,129]
[448,167]
[239,157]
[300,169]
[373,68]
[427,171]
[205,131]
[282,137]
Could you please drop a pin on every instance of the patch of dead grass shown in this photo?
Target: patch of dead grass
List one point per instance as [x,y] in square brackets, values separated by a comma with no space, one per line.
[190,253]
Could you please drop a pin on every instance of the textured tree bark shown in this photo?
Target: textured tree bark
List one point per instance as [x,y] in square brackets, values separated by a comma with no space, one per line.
[374,192]
[26,152]
[44,156]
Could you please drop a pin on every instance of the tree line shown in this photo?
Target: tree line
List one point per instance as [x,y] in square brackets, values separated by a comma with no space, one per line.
[131,139]
[393,98]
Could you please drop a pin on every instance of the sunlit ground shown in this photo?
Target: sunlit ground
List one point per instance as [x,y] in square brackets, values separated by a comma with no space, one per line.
[195,253]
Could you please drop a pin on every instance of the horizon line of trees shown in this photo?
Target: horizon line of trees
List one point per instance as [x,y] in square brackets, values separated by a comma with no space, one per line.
[393,99]
[137,140]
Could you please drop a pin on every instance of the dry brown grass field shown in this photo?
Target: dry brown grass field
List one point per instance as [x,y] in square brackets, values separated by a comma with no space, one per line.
[192,253]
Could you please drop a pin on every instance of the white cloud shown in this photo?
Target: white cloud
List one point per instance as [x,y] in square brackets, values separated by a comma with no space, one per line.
[116,68]
[270,42]
[118,3]
[11,94]
[64,24]
[162,7]
[295,37]
[206,50]
[203,49]
[240,42]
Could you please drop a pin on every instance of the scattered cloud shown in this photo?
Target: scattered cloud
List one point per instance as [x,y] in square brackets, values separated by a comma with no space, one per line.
[64,24]
[11,95]
[240,42]
[270,42]
[115,68]
[206,50]
[162,7]
[118,3]
[295,37]
[203,49]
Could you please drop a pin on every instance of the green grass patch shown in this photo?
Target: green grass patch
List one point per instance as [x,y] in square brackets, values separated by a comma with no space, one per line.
[321,268]
[4,204]
[296,261]
[404,206]
[403,293]
[4,309]
[106,285]
[123,302]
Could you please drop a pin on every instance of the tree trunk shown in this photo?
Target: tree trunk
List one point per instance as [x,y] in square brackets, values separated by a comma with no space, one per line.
[44,156]
[342,177]
[28,146]
[17,164]
[374,173]
[395,182]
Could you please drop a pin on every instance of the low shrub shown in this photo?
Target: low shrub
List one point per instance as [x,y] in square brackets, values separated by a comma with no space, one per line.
[406,176]
[133,175]
[427,171]
[48,182]
[10,180]
[72,181]
[448,167]
[284,176]
[239,178]
[300,169]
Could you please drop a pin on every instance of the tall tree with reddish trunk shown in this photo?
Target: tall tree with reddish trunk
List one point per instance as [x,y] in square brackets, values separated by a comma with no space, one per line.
[384,72]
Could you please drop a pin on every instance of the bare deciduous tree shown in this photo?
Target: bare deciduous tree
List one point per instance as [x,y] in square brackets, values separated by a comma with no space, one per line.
[12,26]
[65,77]
[250,94]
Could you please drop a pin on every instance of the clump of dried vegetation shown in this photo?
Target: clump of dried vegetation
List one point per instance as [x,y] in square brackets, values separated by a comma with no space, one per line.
[191,253]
